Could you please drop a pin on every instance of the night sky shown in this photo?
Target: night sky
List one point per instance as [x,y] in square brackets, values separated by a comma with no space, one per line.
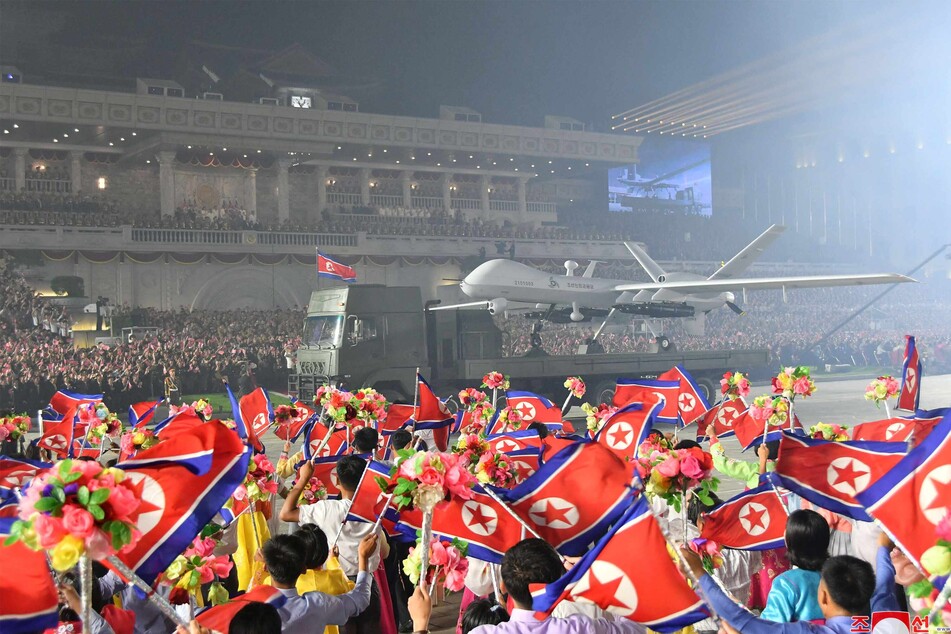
[513,61]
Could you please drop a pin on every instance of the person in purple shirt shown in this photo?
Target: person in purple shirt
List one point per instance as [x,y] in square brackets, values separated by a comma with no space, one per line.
[848,587]
[528,562]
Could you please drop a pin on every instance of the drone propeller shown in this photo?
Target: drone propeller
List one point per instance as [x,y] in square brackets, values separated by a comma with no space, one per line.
[736,309]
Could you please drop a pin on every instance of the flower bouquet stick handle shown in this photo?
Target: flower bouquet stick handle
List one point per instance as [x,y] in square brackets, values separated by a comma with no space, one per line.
[564,407]
[379,519]
[888,413]
[158,601]
[85,591]
[425,538]
[495,396]
[254,525]
[433,584]
[324,440]
[493,572]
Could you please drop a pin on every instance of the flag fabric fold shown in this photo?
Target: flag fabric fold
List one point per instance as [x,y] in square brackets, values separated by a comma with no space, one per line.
[639,390]
[334,270]
[691,403]
[30,602]
[910,392]
[752,520]
[627,428]
[141,413]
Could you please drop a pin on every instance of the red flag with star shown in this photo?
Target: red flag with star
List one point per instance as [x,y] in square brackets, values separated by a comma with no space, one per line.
[522,441]
[15,473]
[627,428]
[647,588]
[59,438]
[753,520]
[830,474]
[640,390]
[886,430]
[721,418]
[561,502]
[182,482]
[326,472]
[910,392]
[911,498]
[691,403]
[257,414]
[485,524]
[534,408]
[30,601]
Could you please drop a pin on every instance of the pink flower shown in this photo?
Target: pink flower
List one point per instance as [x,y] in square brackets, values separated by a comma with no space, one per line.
[430,476]
[437,554]
[222,566]
[803,386]
[122,501]
[690,467]
[78,521]
[99,545]
[4,432]
[49,530]
[126,444]
[669,468]
[943,529]
[743,387]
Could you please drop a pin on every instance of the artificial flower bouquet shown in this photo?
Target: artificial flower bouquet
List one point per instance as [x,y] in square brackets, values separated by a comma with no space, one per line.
[709,552]
[78,508]
[496,469]
[670,473]
[13,427]
[356,409]
[199,565]
[285,414]
[423,479]
[734,385]
[495,381]
[882,389]
[136,440]
[575,385]
[793,381]
[313,491]
[510,419]
[595,416]
[829,431]
[936,561]
[261,481]
[200,408]
[477,403]
[447,564]
[99,421]
[773,410]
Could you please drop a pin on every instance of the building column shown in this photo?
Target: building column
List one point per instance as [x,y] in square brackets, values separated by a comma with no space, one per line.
[365,187]
[406,178]
[251,192]
[166,160]
[75,171]
[283,191]
[446,192]
[322,173]
[486,184]
[19,168]
[522,196]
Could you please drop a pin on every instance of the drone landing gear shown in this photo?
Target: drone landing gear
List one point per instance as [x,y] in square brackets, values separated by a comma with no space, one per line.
[664,344]
[536,349]
[592,345]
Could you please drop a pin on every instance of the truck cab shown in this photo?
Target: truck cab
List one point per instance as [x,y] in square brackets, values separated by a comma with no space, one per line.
[361,335]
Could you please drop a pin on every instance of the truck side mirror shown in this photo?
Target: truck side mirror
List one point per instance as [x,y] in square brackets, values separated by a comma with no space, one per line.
[352,330]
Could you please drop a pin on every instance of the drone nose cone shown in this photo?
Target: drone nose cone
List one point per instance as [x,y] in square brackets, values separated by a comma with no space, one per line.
[729,297]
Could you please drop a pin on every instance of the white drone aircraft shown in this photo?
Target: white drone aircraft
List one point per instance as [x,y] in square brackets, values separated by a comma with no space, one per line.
[508,286]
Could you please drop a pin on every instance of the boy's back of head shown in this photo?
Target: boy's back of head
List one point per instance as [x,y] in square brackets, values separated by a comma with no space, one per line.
[284,556]
[365,440]
[848,583]
[315,543]
[400,439]
[527,562]
[349,471]
[256,618]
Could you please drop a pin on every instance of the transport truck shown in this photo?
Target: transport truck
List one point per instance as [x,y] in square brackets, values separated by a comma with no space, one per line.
[377,336]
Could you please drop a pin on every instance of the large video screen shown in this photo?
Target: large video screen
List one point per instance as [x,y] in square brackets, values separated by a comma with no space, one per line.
[670,175]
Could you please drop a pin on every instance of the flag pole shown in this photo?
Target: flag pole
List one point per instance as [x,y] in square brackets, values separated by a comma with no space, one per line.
[379,519]
[415,399]
[159,601]
[941,600]
[492,494]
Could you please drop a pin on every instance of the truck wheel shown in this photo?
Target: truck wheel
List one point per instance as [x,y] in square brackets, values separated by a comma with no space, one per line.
[707,388]
[604,392]
[664,344]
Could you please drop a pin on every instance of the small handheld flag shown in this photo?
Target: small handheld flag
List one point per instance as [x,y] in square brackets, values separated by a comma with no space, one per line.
[329,268]
[910,392]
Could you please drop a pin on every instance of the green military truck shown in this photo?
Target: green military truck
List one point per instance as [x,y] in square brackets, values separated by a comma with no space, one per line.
[376,336]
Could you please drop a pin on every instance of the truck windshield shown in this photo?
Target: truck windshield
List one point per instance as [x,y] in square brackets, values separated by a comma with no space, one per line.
[324,331]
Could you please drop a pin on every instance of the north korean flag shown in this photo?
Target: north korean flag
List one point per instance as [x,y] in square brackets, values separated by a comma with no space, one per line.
[627,428]
[325,470]
[886,430]
[721,418]
[15,473]
[30,600]
[177,423]
[292,429]
[553,444]
[257,412]
[141,413]
[691,403]
[560,502]
[924,422]
[830,474]
[910,392]
[218,618]
[911,498]
[629,574]
[59,438]
[398,416]
[370,501]
[182,482]
[431,413]
[639,390]
[535,408]
[65,402]
[244,430]
[753,520]
[524,441]
[334,270]
[749,431]
[314,437]
[9,509]
[486,525]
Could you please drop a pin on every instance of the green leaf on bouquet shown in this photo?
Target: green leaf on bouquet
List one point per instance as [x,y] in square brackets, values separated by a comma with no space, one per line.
[99,496]
[64,468]
[72,476]
[195,578]
[47,504]
[59,495]
[96,511]
[381,482]
[404,486]
[83,495]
